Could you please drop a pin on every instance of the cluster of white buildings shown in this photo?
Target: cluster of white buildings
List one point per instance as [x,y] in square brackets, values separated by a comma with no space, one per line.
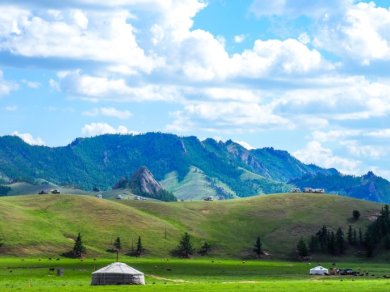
[308,190]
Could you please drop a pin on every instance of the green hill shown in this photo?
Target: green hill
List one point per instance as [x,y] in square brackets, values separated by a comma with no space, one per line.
[47,224]
[101,161]
[186,166]
[25,188]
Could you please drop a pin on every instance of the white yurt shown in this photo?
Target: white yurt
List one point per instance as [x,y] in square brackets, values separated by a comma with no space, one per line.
[319,271]
[118,274]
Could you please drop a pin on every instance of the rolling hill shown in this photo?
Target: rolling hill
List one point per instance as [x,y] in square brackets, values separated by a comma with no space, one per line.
[186,166]
[47,224]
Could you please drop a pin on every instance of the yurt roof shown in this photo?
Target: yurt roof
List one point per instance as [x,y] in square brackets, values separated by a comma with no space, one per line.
[118,268]
[319,268]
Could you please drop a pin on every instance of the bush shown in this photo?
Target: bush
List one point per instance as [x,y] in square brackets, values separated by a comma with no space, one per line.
[356,214]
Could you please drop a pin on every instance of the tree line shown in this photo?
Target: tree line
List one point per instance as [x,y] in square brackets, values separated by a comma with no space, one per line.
[375,237]
[185,248]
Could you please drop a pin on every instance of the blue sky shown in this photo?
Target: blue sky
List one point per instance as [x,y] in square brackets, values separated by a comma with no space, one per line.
[310,77]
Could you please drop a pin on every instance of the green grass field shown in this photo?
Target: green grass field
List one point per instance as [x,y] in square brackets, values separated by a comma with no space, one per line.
[18,274]
[45,225]
[34,228]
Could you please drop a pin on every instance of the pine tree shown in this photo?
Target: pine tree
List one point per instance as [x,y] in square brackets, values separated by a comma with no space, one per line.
[387,242]
[258,247]
[340,242]
[323,237]
[117,244]
[313,244]
[369,244]
[350,235]
[205,248]
[361,241]
[332,244]
[354,238]
[79,248]
[302,248]
[185,248]
[139,250]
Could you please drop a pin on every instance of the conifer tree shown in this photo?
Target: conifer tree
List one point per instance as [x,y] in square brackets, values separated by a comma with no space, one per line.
[361,240]
[350,235]
[340,242]
[354,237]
[302,248]
[323,238]
[79,248]
[313,244]
[139,250]
[332,244]
[387,242]
[185,248]
[369,244]
[258,247]
[205,248]
[117,244]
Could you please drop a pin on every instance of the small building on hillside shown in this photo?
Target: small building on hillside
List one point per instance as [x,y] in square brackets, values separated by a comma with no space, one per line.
[55,192]
[319,191]
[119,197]
[296,190]
[209,198]
[118,274]
[99,196]
[314,191]
[319,270]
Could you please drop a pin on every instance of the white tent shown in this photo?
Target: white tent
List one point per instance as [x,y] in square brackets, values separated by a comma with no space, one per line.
[319,271]
[118,274]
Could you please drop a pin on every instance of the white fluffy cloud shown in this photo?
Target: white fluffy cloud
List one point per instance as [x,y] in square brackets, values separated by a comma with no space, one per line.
[31,84]
[318,8]
[341,99]
[95,129]
[30,139]
[109,112]
[97,36]
[11,108]
[5,86]
[315,153]
[238,39]
[361,34]
[114,89]
[226,116]
[277,57]
[358,150]
[383,133]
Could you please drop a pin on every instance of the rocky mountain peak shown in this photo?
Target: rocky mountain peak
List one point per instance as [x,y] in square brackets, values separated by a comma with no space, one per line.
[144,181]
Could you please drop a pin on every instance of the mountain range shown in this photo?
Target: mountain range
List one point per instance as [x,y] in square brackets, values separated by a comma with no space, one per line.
[186,166]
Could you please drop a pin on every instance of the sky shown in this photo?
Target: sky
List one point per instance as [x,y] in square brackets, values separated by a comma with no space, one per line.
[309,77]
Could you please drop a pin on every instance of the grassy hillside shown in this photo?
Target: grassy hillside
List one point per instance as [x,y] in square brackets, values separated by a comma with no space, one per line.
[24,188]
[195,186]
[36,224]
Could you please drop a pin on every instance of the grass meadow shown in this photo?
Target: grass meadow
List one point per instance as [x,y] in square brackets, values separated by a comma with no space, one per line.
[34,274]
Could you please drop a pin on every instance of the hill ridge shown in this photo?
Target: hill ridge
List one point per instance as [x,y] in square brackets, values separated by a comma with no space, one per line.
[229,226]
[229,170]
